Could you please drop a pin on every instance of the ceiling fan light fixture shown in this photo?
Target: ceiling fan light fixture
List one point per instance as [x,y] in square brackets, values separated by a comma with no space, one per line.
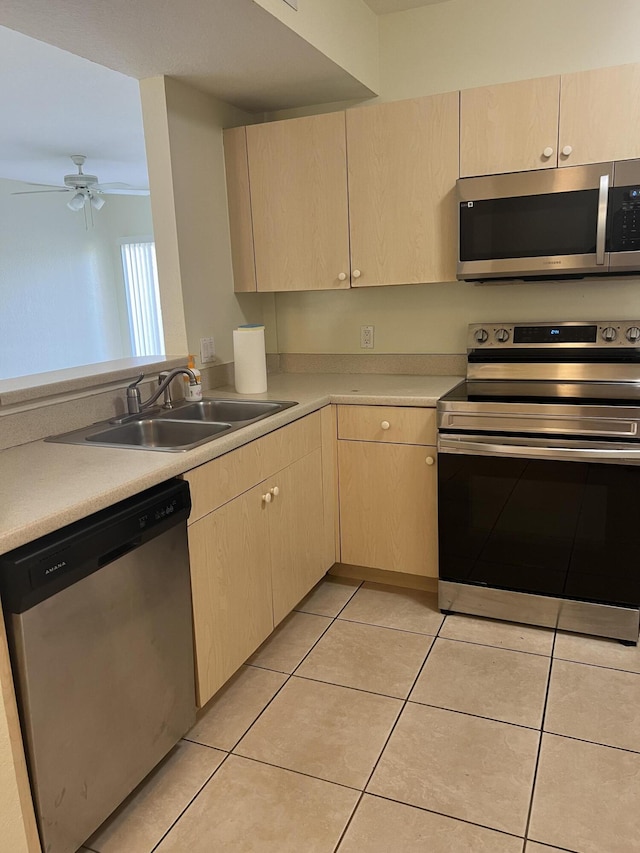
[97,202]
[77,202]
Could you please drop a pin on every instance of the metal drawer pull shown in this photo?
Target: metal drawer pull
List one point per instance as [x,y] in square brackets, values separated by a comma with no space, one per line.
[430,460]
[385,425]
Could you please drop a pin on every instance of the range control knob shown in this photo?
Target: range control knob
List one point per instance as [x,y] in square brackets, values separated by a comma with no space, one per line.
[502,335]
[633,334]
[481,336]
[609,334]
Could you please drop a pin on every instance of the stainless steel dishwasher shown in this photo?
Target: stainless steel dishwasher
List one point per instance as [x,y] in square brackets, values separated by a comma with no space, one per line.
[99,623]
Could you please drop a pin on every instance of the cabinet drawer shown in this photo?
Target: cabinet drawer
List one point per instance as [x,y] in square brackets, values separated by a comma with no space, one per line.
[390,424]
[222,479]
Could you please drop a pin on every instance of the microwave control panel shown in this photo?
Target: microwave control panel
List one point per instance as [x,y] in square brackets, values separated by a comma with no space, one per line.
[624,210]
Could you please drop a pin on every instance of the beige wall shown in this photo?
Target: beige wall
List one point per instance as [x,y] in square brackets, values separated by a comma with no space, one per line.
[344,30]
[183,131]
[464,43]
[439,48]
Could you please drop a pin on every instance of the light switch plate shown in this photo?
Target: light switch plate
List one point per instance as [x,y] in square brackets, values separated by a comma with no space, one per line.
[207,350]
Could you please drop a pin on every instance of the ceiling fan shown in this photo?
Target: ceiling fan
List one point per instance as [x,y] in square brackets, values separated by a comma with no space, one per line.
[86,189]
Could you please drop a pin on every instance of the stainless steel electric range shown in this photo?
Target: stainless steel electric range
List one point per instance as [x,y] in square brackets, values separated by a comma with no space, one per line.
[539,477]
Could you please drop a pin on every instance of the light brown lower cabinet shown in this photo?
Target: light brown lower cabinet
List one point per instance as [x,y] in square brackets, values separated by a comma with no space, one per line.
[296,532]
[388,489]
[255,549]
[231,588]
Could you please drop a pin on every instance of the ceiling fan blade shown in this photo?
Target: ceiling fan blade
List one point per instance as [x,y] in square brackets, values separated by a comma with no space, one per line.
[120,188]
[41,184]
[36,192]
[122,192]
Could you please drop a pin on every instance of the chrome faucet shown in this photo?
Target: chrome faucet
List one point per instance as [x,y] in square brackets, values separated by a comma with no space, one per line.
[135,405]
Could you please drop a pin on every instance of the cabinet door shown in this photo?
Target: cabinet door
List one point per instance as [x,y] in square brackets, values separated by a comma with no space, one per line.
[239,201]
[388,506]
[509,127]
[600,115]
[296,529]
[231,588]
[298,180]
[403,166]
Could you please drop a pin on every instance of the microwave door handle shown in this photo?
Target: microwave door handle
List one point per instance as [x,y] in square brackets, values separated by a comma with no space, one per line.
[601,227]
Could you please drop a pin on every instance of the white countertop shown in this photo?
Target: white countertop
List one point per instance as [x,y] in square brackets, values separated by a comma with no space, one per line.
[44,486]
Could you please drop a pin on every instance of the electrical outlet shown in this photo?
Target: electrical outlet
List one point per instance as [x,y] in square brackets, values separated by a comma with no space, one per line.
[366,337]
[207,350]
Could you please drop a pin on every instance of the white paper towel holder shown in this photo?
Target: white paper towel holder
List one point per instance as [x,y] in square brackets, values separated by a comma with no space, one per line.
[250,368]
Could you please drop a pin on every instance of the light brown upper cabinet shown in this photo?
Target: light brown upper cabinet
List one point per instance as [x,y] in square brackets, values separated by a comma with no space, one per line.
[403,165]
[572,120]
[288,205]
[600,115]
[512,127]
[293,214]
[239,201]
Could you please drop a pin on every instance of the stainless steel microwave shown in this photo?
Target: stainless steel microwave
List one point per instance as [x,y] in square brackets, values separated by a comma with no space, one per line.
[550,223]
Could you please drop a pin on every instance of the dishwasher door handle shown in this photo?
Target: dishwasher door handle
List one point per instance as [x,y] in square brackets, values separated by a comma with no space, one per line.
[120,551]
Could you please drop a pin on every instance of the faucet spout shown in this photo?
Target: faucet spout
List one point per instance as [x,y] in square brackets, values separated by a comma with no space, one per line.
[134,403]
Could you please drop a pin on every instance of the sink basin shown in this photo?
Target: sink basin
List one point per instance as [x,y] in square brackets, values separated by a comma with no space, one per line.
[182,428]
[156,434]
[230,411]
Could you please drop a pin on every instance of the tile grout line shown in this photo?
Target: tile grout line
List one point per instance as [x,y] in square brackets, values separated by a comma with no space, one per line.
[466,821]
[331,620]
[598,665]
[230,752]
[537,764]
[393,728]
[492,646]
[189,804]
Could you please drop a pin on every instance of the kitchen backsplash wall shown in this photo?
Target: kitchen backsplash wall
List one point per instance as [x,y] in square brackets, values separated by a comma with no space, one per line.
[433,318]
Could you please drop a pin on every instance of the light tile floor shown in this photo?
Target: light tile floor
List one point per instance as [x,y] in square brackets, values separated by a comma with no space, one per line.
[369,723]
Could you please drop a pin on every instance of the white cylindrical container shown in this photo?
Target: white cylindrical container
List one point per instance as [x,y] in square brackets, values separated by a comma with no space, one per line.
[250,362]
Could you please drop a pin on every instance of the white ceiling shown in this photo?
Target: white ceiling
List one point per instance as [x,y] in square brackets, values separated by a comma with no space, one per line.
[69,72]
[233,49]
[54,104]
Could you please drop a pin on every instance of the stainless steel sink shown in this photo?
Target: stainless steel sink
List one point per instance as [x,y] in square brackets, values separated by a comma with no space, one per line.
[159,434]
[230,411]
[182,428]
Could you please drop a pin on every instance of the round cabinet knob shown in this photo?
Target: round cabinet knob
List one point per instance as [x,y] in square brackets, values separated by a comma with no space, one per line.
[502,335]
[275,491]
[547,152]
[481,336]
[342,276]
[385,425]
[430,460]
[609,334]
[567,150]
[267,498]
[633,334]
[356,273]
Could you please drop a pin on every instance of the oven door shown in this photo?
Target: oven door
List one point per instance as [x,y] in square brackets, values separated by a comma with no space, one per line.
[547,517]
[534,224]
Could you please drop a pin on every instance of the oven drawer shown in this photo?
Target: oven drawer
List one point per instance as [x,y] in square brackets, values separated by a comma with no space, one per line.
[389,424]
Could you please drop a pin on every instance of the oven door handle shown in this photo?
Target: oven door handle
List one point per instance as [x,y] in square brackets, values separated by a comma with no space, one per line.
[493,447]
